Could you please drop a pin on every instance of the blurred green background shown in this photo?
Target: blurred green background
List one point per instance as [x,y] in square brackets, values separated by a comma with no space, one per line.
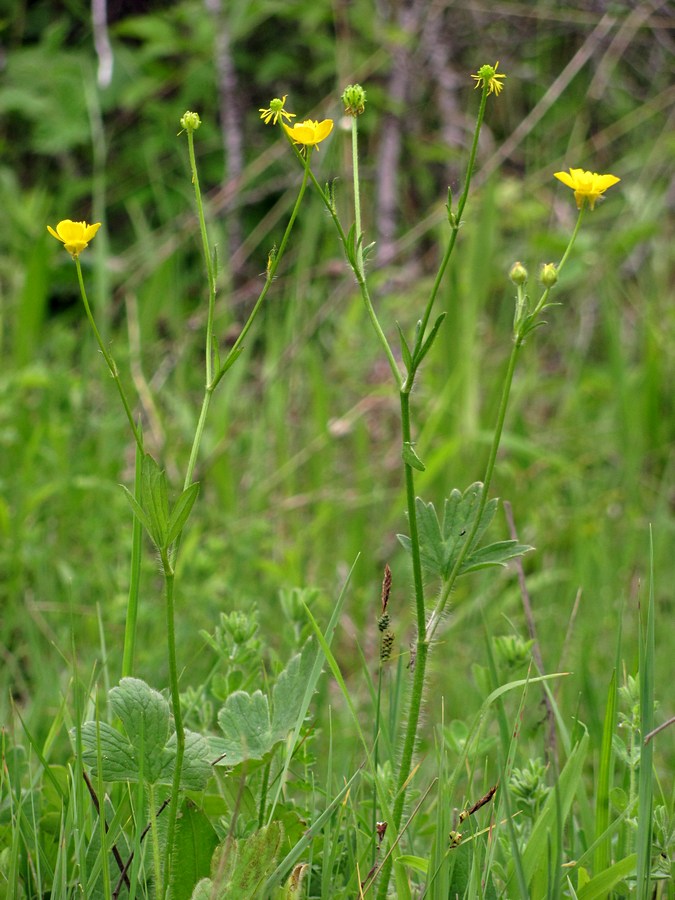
[300,468]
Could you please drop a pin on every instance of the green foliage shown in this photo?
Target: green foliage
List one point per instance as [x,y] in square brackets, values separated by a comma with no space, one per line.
[442,543]
[194,845]
[239,868]
[163,525]
[250,730]
[146,751]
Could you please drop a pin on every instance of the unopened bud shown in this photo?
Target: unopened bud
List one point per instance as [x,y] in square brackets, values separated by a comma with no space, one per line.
[548,275]
[518,273]
[190,121]
[354,99]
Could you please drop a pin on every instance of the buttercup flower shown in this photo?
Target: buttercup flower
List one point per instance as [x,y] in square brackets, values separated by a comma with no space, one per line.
[309,132]
[275,111]
[74,235]
[488,75]
[586,185]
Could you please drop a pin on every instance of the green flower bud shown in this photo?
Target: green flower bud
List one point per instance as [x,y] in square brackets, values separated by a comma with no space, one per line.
[241,626]
[513,650]
[548,275]
[354,99]
[518,273]
[190,121]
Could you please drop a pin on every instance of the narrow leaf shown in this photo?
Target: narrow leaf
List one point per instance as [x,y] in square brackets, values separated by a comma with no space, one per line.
[138,512]
[426,346]
[155,500]
[181,512]
[405,349]
[410,458]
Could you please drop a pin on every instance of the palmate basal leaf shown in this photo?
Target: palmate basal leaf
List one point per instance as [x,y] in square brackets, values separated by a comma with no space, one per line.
[147,749]
[442,543]
[250,730]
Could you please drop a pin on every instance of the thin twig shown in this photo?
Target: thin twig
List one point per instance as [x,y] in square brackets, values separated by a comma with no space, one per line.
[551,741]
[662,727]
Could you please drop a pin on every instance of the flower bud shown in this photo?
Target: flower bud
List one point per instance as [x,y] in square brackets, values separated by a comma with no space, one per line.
[190,121]
[518,273]
[354,99]
[548,275]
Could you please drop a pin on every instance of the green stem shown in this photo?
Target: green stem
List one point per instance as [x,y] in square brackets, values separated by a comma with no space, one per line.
[421,650]
[455,220]
[422,647]
[135,576]
[523,329]
[448,585]
[108,358]
[199,432]
[412,521]
[357,194]
[207,258]
[177,716]
[573,238]
[154,835]
[363,286]
[271,271]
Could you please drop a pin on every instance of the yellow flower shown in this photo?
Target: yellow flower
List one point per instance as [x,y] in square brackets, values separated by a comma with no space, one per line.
[275,111]
[74,235]
[488,75]
[586,185]
[309,132]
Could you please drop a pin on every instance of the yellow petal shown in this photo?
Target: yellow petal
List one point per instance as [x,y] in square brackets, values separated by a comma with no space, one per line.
[91,230]
[69,230]
[323,129]
[565,178]
[606,181]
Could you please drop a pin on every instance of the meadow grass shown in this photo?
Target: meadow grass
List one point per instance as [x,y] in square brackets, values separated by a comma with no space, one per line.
[301,500]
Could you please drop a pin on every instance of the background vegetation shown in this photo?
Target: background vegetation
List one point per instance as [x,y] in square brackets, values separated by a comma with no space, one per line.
[300,466]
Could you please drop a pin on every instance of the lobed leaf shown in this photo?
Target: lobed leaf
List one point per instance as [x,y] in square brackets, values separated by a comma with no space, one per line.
[146,752]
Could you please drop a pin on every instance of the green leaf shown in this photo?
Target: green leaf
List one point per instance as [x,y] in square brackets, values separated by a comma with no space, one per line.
[181,512]
[195,841]
[238,868]
[145,752]
[410,458]
[442,543]
[405,349]
[250,731]
[155,500]
[289,691]
[138,511]
[203,890]
[463,876]
[603,883]
[245,722]
[497,554]
[426,347]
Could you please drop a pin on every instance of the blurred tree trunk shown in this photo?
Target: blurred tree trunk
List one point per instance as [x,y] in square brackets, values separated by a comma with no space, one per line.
[405,16]
[231,128]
